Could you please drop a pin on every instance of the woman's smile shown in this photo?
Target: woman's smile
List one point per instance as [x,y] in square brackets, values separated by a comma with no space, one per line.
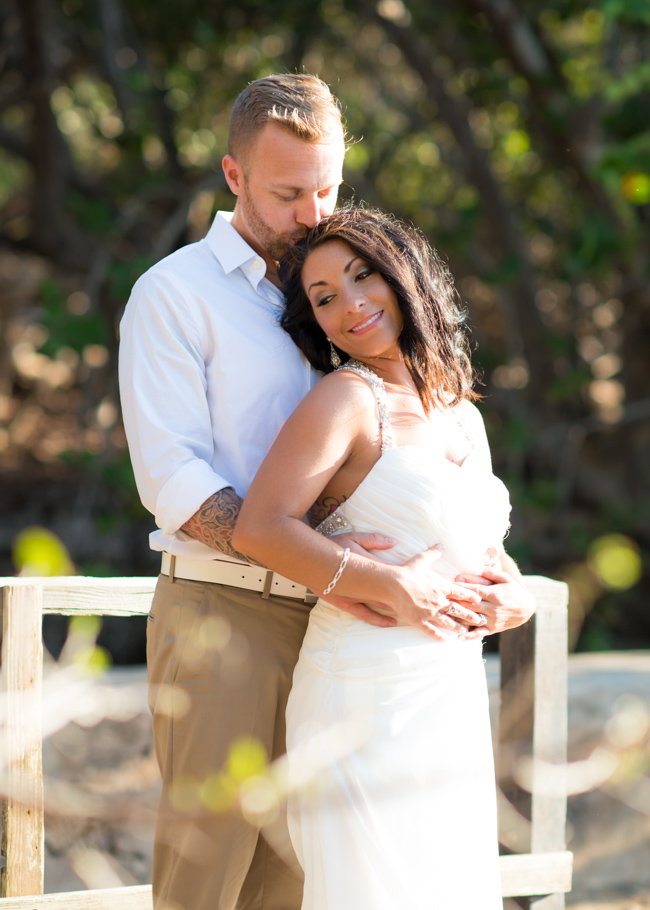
[361,327]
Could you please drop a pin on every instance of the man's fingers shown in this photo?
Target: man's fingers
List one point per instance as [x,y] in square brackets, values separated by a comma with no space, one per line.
[368,603]
[446,621]
[436,551]
[370,541]
[365,614]
[497,575]
[475,633]
[429,629]
[473,579]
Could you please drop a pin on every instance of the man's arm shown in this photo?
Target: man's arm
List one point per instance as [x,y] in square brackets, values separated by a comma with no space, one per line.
[213,524]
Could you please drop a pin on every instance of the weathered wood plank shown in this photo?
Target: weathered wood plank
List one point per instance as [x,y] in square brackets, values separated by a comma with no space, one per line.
[22,804]
[535,873]
[137,897]
[516,717]
[550,735]
[520,875]
[527,874]
[548,902]
[79,595]
[533,725]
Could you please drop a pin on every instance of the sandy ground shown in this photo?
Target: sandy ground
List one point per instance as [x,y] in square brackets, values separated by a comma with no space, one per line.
[99,831]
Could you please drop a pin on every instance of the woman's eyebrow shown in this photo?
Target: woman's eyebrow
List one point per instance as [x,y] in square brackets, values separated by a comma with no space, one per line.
[347,268]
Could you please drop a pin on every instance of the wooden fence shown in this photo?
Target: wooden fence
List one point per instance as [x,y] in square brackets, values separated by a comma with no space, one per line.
[532,736]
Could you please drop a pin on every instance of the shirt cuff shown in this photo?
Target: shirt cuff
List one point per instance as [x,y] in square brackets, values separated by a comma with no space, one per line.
[185,492]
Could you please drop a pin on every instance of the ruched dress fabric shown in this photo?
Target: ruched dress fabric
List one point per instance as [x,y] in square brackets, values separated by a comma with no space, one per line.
[391,774]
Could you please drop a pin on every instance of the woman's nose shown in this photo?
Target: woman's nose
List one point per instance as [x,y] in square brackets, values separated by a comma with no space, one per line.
[354,300]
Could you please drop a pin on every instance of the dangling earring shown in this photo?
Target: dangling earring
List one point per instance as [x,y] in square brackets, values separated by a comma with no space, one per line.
[335,360]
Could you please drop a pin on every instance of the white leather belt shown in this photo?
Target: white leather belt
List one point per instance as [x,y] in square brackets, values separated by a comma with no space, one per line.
[235,575]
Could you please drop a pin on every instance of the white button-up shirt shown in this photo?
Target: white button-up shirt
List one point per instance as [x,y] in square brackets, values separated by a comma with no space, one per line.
[207,378]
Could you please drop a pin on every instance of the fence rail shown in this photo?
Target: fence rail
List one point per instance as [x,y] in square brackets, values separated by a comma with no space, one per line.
[532,727]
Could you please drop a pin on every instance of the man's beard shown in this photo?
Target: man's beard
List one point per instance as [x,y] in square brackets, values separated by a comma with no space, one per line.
[274,245]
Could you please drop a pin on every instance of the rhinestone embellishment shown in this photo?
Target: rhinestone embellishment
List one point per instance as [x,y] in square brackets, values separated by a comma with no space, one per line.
[334,523]
[378,387]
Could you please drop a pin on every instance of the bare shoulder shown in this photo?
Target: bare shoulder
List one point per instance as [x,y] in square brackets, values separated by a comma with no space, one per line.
[340,405]
[342,392]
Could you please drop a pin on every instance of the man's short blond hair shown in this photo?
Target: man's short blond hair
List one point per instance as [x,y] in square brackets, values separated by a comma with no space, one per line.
[300,102]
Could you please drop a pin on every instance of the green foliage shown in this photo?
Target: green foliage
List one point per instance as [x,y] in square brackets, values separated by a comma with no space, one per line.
[528,171]
[630,12]
[66,328]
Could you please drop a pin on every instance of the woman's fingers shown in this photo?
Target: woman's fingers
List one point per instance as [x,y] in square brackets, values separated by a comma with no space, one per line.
[462,614]
[465,594]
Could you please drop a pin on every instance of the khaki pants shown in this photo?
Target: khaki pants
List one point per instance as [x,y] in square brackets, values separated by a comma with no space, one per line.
[220,662]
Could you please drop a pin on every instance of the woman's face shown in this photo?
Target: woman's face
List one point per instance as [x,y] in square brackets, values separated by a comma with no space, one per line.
[353,304]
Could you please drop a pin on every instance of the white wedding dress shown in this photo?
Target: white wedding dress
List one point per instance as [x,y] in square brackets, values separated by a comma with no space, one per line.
[393,801]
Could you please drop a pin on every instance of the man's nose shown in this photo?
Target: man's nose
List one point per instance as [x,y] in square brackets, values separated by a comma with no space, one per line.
[309,212]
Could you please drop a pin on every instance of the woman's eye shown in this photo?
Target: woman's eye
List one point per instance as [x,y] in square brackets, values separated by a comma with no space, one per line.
[364,273]
[325,300]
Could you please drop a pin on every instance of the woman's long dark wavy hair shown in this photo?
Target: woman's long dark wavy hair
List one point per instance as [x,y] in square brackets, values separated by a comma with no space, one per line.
[433,340]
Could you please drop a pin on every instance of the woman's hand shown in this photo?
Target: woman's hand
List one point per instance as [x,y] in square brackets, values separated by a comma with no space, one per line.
[506,602]
[431,603]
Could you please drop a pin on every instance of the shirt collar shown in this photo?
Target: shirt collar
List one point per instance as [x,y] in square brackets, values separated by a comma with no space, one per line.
[232,251]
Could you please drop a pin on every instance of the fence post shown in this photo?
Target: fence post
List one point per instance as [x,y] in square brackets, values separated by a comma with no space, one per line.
[22,767]
[533,726]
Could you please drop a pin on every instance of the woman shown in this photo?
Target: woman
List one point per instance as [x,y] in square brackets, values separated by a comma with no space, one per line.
[402,811]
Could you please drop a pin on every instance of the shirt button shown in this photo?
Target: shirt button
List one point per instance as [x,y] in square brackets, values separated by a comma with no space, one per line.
[257,264]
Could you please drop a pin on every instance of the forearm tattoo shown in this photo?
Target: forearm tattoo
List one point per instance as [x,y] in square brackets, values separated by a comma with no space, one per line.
[214,522]
[322,508]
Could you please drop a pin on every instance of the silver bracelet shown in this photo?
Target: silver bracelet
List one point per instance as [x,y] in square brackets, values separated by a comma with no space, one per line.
[339,572]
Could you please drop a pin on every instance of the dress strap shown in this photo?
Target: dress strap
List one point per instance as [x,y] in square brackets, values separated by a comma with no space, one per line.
[461,424]
[379,389]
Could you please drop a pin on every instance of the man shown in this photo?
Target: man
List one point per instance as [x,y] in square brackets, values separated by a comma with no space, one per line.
[207,378]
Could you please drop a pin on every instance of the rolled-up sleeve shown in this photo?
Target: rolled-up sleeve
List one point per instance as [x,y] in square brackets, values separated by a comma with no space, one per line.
[163,390]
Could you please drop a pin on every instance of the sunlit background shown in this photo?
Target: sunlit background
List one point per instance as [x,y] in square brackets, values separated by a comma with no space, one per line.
[514,134]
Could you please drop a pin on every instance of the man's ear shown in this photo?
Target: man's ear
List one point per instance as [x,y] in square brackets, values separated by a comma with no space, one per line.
[234,174]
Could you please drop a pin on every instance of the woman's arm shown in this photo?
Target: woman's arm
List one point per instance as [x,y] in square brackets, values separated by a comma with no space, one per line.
[325,430]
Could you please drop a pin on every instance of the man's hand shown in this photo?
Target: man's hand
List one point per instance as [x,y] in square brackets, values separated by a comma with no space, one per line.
[506,602]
